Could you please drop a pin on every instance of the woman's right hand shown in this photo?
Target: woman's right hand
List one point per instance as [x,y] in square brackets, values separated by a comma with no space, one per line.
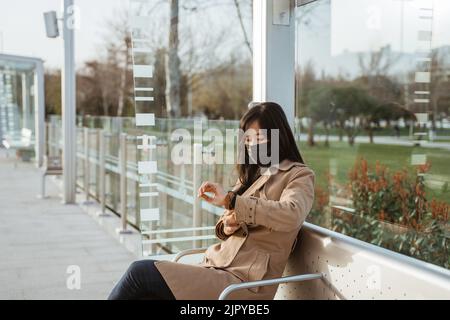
[230,224]
[218,196]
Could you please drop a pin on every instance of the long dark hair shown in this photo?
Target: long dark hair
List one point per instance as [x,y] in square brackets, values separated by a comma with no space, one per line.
[269,115]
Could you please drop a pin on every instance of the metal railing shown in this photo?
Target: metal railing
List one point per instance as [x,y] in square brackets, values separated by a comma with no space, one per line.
[107,172]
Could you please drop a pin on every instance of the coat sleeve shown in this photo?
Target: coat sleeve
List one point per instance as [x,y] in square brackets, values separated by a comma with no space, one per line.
[284,215]
[219,230]
[220,225]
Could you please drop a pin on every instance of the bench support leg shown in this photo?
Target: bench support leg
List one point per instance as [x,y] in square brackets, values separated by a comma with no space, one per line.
[42,195]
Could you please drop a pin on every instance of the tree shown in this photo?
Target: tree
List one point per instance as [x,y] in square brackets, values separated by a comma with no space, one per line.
[204,55]
[371,114]
[173,73]
[322,109]
[97,85]
[355,105]
[118,45]
[381,87]
[379,62]
[53,92]
[231,84]
[241,23]
[439,86]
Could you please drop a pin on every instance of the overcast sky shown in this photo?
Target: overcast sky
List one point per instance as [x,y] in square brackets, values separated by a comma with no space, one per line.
[22,28]
[23,32]
[371,24]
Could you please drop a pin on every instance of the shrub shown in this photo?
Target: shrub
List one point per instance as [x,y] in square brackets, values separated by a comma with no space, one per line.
[392,211]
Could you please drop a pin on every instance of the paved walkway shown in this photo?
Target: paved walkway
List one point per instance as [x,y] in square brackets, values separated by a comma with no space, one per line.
[41,239]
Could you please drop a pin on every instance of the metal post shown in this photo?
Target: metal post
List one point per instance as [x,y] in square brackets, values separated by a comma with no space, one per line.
[55,139]
[123,184]
[25,101]
[152,200]
[42,196]
[166,217]
[102,173]
[87,167]
[68,105]
[2,108]
[274,61]
[39,103]
[49,138]
[197,181]
[182,186]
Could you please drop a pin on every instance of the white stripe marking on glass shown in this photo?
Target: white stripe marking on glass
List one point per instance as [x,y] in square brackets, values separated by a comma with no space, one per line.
[425,35]
[148,185]
[423,77]
[149,194]
[418,159]
[141,71]
[421,100]
[149,215]
[144,89]
[147,167]
[422,118]
[144,99]
[145,119]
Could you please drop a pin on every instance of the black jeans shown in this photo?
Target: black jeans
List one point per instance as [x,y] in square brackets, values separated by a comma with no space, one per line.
[142,281]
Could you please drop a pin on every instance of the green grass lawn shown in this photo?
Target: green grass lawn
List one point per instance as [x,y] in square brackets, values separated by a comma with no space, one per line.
[342,157]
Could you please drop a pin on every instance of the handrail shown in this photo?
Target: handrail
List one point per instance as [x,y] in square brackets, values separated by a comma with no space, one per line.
[188,252]
[262,283]
[177,230]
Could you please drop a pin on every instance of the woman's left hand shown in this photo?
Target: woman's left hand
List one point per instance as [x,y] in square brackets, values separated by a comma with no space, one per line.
[219,194]
[230,223]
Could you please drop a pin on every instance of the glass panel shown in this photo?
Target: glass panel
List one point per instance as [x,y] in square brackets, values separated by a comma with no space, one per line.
[17,106]
[214,88]
[372,120]
[192,71]
[17,103]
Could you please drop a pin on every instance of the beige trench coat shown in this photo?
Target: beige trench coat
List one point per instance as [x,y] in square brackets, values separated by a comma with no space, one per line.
[271,213]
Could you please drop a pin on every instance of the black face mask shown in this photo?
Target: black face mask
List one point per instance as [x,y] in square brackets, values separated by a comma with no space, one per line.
[259,154]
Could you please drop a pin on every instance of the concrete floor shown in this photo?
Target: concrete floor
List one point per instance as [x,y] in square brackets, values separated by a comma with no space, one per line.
[41,239]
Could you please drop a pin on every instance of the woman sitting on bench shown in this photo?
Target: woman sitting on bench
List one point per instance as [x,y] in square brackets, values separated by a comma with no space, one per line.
[263,214]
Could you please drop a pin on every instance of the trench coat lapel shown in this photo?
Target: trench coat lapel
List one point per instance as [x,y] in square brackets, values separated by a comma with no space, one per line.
[283,166]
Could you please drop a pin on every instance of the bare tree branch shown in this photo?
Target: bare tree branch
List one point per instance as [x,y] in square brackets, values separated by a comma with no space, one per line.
[241,22]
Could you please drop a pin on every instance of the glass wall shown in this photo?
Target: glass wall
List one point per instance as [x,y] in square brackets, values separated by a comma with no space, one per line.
[192,73]
[373,120]
[171,67]
[17,106]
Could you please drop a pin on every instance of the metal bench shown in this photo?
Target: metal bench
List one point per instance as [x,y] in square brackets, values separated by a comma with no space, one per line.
[253,284]
[52,167]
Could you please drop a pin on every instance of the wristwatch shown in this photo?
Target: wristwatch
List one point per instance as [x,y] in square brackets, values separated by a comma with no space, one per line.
[230,200]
